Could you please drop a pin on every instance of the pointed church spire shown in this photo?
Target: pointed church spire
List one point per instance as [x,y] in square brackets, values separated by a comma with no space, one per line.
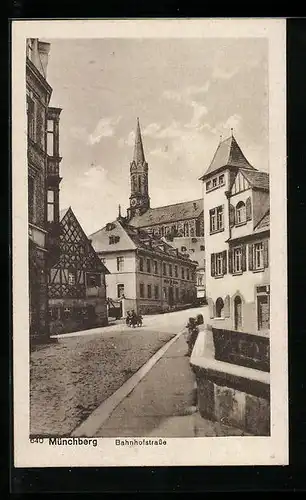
[139,156]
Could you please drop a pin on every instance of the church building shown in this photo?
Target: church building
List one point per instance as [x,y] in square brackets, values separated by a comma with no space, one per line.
[181,224]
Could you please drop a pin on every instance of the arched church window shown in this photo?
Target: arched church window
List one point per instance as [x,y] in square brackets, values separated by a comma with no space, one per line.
[139,182]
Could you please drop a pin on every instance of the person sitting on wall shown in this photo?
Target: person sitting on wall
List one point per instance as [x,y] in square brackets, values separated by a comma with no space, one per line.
[192,334]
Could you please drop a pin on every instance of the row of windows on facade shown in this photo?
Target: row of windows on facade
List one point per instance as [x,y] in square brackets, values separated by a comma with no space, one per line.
[187,230]
[36,119]
[215,182]
[238,215]
[32,201]
[167,269]
[166,231]
[93,280]
[258,259]
[153,268]
[222,308]
[71,312]
[154,292]
[192,250]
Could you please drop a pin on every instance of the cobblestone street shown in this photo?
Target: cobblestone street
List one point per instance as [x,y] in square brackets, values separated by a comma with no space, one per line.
[71,378]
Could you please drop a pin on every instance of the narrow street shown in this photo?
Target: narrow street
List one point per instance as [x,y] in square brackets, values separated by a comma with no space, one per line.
[71,378]
[163,402]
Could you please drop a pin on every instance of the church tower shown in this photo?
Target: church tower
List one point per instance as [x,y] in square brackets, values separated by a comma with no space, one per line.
[139,198]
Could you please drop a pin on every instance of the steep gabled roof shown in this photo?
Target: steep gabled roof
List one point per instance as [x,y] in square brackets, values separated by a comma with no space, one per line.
[257,179]
[63,213]
[72,232]
[264,222]
[114,230]
[169,213]
[228,154]
[131,238]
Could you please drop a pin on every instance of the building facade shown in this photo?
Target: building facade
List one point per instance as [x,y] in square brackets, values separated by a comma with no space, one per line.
[76,280]
[237,231]
[181,223]
[147,272]
[38,94]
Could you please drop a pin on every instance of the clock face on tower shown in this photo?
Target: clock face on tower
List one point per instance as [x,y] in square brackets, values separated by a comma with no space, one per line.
[133,202]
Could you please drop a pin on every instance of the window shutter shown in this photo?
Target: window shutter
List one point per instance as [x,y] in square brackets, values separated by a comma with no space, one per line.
[227,307]
[232,215]
[212,264]
[230,261]
[248,207]
[266,253]
[251,257]
[244,258]
[224,256]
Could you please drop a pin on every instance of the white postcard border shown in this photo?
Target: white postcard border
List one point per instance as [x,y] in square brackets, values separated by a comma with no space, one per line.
[247,450]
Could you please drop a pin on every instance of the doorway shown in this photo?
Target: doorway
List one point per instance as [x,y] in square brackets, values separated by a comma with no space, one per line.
[238,312]
[263,312]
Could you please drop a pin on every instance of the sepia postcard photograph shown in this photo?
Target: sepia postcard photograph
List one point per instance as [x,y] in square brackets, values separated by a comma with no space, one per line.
[149,242]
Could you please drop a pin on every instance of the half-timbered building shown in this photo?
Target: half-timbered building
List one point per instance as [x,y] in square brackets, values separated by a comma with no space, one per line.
[76,284]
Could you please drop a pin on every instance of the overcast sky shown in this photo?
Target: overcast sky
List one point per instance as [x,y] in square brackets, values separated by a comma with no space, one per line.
[186,93]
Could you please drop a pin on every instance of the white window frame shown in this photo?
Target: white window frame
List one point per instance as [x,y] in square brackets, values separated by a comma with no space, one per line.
[237,259]
[258,250]
[122,290]
[219,264]
[120,264]
[241,214]
[220,217]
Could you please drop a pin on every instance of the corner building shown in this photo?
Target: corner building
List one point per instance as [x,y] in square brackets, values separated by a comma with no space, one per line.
[237,233]
[38,94]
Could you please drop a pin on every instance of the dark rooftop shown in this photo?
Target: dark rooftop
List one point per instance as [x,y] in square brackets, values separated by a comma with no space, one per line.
[169,213]
[257,179]
[229,154]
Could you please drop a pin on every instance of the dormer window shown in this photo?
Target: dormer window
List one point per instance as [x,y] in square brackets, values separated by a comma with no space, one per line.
[221,180]
[214,182]
[208,185]
[113,239]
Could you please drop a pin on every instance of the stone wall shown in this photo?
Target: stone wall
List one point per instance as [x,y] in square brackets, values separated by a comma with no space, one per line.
[84,314]
[231,394]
